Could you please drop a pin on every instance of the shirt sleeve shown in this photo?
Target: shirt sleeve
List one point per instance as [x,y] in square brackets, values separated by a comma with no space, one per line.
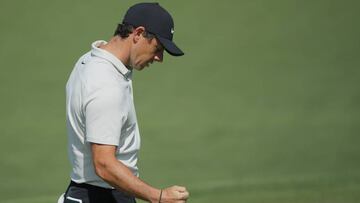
[105,115]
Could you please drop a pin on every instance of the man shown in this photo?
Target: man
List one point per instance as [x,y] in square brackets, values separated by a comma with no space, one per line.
[102,127]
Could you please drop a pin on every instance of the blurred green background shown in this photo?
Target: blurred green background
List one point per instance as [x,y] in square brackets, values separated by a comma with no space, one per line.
[264,106]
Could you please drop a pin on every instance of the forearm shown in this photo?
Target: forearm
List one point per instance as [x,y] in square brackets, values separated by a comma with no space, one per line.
[119,176]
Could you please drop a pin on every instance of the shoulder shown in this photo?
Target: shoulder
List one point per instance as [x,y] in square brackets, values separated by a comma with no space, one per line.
[104,84]
[99,73]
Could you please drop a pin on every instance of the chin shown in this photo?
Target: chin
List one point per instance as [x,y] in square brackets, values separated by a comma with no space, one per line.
[138,68]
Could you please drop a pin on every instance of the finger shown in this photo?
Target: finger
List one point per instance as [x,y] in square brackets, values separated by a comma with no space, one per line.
[184,195]
[180,188]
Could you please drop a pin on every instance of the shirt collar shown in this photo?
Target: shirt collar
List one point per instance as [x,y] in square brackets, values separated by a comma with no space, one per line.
[96,51]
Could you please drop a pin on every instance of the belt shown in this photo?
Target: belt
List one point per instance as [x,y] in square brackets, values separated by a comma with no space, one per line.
[88,186]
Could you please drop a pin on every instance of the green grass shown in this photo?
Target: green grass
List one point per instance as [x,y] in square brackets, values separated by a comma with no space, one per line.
[263,107]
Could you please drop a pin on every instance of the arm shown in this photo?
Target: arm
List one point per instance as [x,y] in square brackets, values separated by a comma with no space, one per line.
[119,176]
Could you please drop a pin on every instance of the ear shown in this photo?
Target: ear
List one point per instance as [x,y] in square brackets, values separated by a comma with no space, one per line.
[138,32]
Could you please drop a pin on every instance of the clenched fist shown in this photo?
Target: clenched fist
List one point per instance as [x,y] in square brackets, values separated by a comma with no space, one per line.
[174,194]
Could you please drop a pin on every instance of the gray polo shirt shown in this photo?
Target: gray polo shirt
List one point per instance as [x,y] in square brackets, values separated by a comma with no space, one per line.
[100,109]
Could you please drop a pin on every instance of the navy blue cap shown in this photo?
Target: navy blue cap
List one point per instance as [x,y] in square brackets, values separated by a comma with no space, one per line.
[157,21]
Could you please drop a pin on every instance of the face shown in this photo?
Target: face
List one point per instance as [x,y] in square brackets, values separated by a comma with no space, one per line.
[145,51]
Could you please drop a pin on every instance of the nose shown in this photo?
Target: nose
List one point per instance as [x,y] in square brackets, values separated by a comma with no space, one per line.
[159,56]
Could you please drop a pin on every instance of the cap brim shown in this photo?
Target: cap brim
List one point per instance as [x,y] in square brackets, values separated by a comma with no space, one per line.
[170,47]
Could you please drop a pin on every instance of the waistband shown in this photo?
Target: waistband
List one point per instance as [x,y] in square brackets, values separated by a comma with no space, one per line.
[90,187]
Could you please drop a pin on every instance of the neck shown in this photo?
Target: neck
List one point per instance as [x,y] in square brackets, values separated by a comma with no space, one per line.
[120,48]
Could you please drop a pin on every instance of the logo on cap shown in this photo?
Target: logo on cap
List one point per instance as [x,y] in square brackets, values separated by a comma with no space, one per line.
[172,30]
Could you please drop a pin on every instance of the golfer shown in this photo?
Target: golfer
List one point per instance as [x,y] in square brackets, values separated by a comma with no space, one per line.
[103,132]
